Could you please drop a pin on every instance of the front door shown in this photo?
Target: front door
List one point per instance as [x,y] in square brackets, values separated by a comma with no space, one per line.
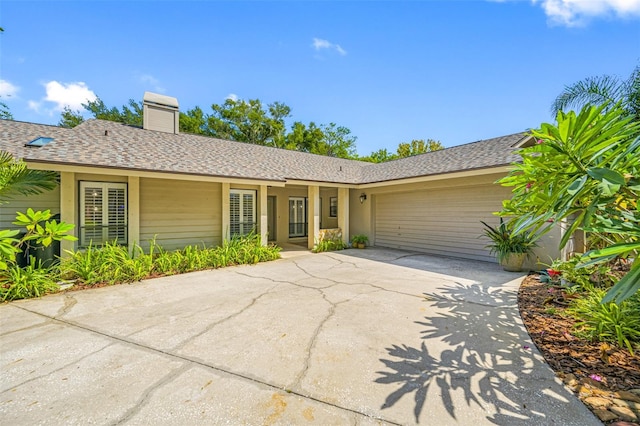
[297,217]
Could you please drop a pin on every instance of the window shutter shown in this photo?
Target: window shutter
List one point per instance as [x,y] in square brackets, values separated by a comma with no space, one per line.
[117,215]
[234,206]
[93,216]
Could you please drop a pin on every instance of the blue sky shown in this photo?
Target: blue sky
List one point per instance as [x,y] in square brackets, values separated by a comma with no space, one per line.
[391,71]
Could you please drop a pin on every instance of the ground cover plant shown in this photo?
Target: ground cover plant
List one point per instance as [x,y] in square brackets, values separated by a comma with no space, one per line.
[329,244]
[113,263]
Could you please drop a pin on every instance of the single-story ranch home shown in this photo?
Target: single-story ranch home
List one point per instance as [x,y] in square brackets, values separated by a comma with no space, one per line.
[130,184]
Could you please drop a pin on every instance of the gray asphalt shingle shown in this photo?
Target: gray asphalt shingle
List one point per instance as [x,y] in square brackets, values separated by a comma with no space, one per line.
[132,148]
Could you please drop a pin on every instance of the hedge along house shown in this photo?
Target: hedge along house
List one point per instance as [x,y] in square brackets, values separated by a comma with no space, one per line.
[130,184]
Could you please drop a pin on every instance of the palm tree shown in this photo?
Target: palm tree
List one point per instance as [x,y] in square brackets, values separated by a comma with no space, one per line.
[16,178]
[601,90]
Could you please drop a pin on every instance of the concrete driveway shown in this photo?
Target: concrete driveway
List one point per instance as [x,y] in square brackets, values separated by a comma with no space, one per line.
[354,337]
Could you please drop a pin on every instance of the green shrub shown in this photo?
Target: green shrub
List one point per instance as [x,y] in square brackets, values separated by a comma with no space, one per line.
[30,281]
[113,263]
[610,322]
[329,245]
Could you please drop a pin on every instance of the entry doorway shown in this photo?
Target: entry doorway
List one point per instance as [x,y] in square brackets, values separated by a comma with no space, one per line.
[272,218]
[297,217]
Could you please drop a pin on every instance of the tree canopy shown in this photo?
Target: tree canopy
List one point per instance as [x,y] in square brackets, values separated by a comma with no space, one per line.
[251,121]
[404,150]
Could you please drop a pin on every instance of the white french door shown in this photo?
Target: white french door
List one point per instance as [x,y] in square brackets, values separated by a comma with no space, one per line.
[297,217]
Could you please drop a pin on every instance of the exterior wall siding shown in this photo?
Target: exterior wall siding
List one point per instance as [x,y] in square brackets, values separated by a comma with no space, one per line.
[180,213]
[49,200]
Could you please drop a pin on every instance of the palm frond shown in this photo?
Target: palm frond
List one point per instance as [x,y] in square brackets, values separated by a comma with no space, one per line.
[591,90]
[16,178]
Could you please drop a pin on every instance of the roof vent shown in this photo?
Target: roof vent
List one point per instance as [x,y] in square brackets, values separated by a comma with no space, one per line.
[160,113]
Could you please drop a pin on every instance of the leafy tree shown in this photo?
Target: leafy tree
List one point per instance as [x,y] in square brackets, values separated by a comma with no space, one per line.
[418,146]
[5,113]
[194,121]
[586,169]
[70,119]
[304,138]
[605,89]
[379,156]
[336,142]
[404,150]
[238,120]
[249,121]
[131,114]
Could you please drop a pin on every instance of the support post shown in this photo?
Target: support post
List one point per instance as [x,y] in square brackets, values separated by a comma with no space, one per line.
[133,204]
[226,214]
[343,213]
[263,228]
[313,215]
[68,209]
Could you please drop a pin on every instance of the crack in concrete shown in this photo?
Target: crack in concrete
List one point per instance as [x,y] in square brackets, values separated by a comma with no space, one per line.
[195,361]
[57,369]
[312,342]
[342,262]
[69,303]
[220,321]
[144,398]
[29,327]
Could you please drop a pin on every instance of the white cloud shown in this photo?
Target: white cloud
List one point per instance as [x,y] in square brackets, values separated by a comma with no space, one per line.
[7,89]
[34,105]
[320,44]
[232,96]
[71,95]
[577,12]
[149,80]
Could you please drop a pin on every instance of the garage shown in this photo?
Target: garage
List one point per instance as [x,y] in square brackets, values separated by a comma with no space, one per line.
[443,221]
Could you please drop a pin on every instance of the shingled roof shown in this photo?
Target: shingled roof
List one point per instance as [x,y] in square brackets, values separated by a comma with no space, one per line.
[100,143]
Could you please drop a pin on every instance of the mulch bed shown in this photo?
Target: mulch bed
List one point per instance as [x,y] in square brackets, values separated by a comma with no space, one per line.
[588,368]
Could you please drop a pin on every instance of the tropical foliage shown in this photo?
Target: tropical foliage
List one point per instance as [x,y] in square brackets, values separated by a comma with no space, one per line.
[584,169]
[602,90]
[16,178]
[505,241]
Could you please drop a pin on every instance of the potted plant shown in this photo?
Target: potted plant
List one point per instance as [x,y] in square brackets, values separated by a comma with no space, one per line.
[510,249]
[359,240]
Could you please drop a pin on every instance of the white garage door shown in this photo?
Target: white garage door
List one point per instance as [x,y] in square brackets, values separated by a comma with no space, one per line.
[439,221]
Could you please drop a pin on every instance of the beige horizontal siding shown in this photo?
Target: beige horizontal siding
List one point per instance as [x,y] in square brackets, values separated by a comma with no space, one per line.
[439,221]
[180,213]
[49,200]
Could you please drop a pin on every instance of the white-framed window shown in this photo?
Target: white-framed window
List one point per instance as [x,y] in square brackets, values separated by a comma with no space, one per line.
[242,206]
[103,213]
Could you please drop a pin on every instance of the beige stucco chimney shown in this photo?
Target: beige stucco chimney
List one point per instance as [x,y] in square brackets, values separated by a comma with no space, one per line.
[160,113]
